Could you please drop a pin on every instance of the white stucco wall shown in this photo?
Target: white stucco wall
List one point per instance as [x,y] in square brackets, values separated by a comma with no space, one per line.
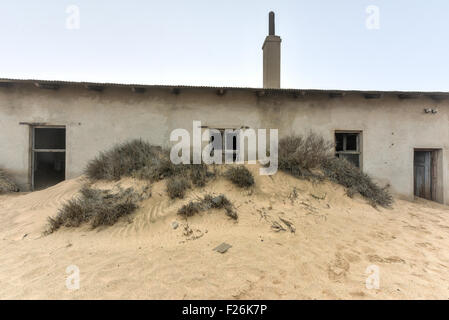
[95,121]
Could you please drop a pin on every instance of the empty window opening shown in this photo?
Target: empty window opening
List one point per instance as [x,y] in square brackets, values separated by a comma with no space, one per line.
[231,144]
[228,143]
[348,146]
[48,156]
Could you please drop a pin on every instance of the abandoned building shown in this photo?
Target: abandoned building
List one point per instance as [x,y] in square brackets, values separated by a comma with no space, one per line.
[51,129]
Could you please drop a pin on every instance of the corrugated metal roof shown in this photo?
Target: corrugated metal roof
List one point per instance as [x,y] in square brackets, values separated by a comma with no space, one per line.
[272,90]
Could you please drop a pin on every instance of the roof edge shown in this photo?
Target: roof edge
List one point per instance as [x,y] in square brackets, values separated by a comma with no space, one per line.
[136,85]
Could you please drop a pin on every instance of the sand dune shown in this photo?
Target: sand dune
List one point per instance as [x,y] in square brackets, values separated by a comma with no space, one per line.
[336,238]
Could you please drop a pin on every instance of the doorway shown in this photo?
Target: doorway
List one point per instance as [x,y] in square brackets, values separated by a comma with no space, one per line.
[48,156]
[425,174]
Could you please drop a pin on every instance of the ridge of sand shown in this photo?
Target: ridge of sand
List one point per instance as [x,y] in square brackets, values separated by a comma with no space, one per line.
[336,239]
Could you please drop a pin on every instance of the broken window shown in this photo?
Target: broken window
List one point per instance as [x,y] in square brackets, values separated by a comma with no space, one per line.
[347,145]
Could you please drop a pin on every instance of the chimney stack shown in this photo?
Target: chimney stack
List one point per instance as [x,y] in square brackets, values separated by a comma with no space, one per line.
[271,57]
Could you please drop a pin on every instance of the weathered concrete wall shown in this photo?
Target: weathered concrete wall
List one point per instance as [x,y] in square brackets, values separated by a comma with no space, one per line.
[95,121]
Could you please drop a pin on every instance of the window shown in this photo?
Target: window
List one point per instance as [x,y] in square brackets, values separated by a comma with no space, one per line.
[228,143]
[347,145]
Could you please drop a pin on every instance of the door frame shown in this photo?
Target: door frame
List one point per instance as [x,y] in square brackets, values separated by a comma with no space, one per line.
[436,176]
[33,150]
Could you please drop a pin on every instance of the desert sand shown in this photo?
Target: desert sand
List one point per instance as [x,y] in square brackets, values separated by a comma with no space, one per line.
[336,239]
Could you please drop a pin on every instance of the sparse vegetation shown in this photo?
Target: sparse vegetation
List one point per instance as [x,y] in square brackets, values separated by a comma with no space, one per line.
[191,208]
[97,207]
[300,155]
[137,159]
[199,174]
[177,186]
[208,202]
[6,184]
[186,176]
[127,159]
[345,173]
[141,160]
[312,157]
[240,176]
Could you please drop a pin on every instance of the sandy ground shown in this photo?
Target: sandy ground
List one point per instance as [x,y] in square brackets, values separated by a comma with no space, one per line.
[336,239]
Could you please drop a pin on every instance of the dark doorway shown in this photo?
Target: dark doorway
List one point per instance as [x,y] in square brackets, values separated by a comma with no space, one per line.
[48,156]
[425,174]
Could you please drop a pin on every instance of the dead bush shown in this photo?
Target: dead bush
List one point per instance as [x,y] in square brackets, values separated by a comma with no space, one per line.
[345,173]
[177,186]
[126,159]
[209,202]
[220,202]
[109,216]
[199,174]
[299,155]
[191,208]
[97,207]
[143,161]
[240,176]
[6,184]
[313,157]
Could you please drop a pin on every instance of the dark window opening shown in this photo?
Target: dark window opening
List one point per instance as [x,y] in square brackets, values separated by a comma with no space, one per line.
[347,145]
[49,138]
[216,138]
[229,143]
[338,142]
[48,154]
[351,142]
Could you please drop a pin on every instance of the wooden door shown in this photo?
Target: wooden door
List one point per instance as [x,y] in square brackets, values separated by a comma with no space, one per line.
[423,174]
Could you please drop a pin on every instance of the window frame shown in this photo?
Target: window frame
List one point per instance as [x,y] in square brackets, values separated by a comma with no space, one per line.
[224,150]
[359,151]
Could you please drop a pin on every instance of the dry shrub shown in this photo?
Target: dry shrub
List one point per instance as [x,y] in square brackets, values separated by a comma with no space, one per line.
[177,186]
[304,156]
[299,155]
[209,202]
[6,184]
[240,176]
[191,208]
[199,174]
[156,169]
[345,173]
[126,159]
[99,207]
[109,216]
[220,202]
[186,176]
[144,161]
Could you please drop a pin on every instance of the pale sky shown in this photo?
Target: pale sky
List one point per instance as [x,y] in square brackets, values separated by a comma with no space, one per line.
[326,44]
